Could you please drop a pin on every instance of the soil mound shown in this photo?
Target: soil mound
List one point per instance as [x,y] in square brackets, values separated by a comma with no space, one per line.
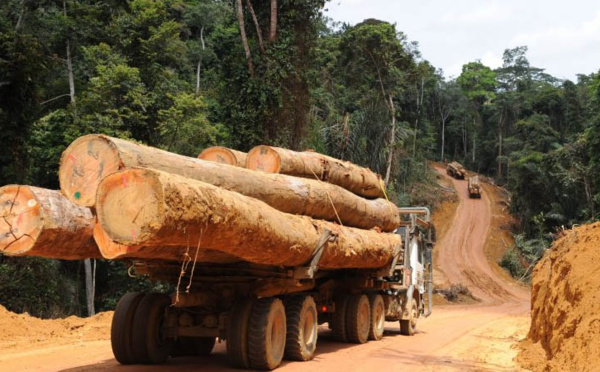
[565,305]
[22,331]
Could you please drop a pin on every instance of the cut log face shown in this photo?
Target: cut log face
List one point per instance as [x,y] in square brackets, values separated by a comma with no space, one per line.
[83,164]
[224,155]
[112,250]
[41,222]
[359,180]
[289,194]
[168,212]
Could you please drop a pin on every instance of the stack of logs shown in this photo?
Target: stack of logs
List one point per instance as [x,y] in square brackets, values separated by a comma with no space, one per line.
[120,199]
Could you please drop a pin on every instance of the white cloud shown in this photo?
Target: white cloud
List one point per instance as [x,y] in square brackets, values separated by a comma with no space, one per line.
[491,12]
[492,60]
[563,37]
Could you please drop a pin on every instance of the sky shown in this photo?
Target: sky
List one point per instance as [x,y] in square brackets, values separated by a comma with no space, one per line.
[563,37]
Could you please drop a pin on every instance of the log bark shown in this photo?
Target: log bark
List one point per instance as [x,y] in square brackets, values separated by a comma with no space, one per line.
[90,158]
[43,223]
[112,250]
[359,180]
[166,211]
[224,155]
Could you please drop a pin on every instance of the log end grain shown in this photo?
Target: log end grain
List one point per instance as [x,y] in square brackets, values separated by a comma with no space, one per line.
[130,205]
[21,220]
[223,155]
[83,164]
[110,249]
[264,158]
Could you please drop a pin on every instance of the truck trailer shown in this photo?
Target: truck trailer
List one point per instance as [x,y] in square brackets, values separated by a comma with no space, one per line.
[474,187]
[257,255]
[456,170]
[267,313]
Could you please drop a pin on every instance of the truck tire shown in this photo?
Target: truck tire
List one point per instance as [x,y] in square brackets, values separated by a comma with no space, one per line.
[150,344]
[266,334]
[122,327]
[377,317]
[408,327]
[193,346]
[301,319]
[358,319]
[237,334]
[338,320]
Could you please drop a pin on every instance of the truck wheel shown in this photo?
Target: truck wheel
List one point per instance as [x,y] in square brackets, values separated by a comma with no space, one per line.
[122,327]
[408,326]
[150,343]
[237,334]
[266,334]
[338,319]
[377,317]
[193,346]
[301,318]
[358,319]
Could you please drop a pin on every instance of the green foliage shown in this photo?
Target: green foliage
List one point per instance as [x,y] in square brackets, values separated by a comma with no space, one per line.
[478,82]
[520,259]
[511,261]
[113,279]
[37,286]
[185,128]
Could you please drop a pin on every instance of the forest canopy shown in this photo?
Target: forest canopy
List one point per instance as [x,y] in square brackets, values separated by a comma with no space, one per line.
[186,74]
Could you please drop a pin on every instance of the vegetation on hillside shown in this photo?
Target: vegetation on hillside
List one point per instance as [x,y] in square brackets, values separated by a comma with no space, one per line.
[185,74]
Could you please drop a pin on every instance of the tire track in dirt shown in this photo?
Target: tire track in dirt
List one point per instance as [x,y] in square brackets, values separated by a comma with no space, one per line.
[461,256]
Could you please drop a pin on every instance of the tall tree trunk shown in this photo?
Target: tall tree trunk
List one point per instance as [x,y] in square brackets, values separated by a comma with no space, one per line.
[419,105]
[588,194]
[240,17]
[500,124]
[443,137]
[474,145]
[89,286]
[388,170]
[70,70]
[89,275]
[464,138]
[273,25]
[69,62]
[21,16]
[199,67]
[444,113]
[257,26]
[346,134]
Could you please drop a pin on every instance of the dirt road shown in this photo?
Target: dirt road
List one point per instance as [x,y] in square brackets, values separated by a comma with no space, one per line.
[477,337]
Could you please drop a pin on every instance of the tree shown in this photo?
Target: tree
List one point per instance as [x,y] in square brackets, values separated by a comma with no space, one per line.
[478,83]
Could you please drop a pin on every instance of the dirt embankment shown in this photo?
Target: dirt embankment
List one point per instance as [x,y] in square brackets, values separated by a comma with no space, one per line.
[565,306]
[22,331]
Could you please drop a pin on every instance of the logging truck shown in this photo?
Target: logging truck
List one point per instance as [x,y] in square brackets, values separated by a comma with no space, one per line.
[456,170]
[267,313]
[474,187]
[260,248]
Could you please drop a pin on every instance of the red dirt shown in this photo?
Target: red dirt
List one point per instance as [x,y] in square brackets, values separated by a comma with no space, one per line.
[22,331]
[477,337]
[565,309]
